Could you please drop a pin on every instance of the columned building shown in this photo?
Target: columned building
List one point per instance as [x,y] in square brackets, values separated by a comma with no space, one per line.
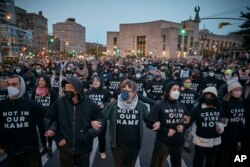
[71,34]
[165,39]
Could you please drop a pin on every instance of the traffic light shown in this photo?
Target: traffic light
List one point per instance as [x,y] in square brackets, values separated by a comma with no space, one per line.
[183,29]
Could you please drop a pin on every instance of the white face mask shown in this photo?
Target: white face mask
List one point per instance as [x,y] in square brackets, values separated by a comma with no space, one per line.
[236,94]
[137,75]
[38,71]
[18,70]
[211,74]
[175,94]
[12,91]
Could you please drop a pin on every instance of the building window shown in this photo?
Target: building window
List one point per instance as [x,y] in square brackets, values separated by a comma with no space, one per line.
[141,45]
[185,43]
[115,41]
[179,43]
[164,42]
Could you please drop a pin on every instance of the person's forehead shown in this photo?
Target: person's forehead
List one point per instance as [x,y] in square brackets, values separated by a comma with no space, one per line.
[13,80]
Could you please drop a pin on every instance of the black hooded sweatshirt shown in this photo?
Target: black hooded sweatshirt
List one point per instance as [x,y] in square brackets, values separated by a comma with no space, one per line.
[18,121]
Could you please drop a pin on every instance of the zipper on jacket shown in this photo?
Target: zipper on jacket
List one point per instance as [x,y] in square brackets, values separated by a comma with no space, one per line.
[74,123]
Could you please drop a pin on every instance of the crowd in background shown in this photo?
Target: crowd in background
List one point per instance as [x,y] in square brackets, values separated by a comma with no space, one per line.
[211,94]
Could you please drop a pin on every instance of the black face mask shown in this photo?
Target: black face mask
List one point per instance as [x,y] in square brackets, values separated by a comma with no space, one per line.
[69,94]
[210,101]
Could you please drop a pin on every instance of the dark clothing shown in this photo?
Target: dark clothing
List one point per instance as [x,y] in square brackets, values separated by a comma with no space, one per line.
[188,97]
[155,89]
[125,156]
[128,123]
[202,153]
[3,94]
[162,150]
[170,113]
[210,81]
[78,160]
[74,123]
[18,121]
[28,159]
[206,119]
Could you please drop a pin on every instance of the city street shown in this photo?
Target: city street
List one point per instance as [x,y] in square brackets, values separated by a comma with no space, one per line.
[142,161]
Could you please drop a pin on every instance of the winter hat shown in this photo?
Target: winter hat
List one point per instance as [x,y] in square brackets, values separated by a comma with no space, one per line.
[233,84]
[169,86]
[211,89]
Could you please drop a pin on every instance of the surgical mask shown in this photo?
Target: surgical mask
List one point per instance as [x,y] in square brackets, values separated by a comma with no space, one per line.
[211,74]
[175,94]
[187,85]
[38,71]
[69,94]
[12,91]
[138,75]
[236,94]
[18,70]
[124,95]
[68,69]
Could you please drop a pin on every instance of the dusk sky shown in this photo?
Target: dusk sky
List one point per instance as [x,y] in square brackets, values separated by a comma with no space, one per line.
[100,16]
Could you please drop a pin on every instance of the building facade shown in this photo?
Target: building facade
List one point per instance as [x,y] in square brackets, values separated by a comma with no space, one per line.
[7,12]
[72,36]
[14,40]
[38,24]
[166,39]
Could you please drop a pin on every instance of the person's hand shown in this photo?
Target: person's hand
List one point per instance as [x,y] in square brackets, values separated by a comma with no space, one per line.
[218,130]
[171,132]
[186,119]
[96,125]
[62,143]
[49,133]
[156,125]
[180,128]
[101,106]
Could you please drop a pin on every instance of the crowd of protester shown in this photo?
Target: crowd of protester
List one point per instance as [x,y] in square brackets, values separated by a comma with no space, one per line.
[199,101]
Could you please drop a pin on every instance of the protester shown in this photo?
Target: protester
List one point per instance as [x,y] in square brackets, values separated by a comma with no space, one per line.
[210,123]
[74,114]
[233,137]
[19,117]
[44,95]
[101,97]
[173,116]
[126,116]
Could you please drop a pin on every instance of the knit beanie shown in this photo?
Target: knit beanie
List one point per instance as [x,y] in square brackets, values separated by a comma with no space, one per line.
[169,86]
[211,89]
[233,84]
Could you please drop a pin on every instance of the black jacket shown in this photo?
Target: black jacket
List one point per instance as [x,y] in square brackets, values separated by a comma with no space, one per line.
[74,123]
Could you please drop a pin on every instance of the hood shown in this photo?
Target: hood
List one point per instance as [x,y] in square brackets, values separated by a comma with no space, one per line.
[22,86]
[75,82]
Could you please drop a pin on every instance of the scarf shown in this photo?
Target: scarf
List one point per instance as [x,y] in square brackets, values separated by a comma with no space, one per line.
[42,91]
[125,105]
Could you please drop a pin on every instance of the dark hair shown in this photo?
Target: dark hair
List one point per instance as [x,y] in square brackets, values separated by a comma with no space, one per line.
[131,84]
[47,80]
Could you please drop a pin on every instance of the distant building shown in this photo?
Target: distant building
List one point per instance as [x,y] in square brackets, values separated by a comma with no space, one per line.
[166,39]
[39,26]
[7,12]
[71,34]
[14,40]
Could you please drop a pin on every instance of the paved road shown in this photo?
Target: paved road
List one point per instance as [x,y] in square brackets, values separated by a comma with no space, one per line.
[142,161]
